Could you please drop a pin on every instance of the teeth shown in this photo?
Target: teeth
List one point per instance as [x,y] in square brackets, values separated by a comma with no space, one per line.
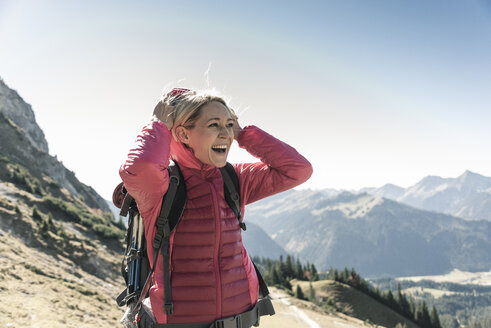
[219,147]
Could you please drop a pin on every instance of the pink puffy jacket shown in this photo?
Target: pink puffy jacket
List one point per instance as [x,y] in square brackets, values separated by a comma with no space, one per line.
[212,276]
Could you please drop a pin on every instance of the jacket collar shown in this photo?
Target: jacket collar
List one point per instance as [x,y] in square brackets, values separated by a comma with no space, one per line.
[185,157]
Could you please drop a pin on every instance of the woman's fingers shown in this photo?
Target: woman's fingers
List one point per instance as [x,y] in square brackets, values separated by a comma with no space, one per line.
[163,113]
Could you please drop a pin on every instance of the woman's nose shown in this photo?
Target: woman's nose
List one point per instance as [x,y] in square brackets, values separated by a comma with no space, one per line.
[224,132]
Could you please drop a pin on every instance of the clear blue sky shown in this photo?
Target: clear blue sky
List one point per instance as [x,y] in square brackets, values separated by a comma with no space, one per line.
[371,92]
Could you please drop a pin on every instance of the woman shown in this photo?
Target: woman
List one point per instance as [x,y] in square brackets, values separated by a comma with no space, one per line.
[212,276]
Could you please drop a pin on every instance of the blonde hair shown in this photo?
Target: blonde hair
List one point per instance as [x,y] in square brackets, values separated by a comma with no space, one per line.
[186,107]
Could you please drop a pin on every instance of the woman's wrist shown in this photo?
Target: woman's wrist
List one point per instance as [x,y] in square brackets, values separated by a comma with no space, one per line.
[156,119]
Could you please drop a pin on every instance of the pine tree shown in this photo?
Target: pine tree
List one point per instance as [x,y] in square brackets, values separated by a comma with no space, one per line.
[426,316]
[412,308]
[435,320]
[311,293]
[289,273]
[281,268]
[275,278]
[422,316]
[299,270]
[314,275]
[389,299]
[299,293]
[336,275]
[354,278]
[269,264]
[345,275]
[404,306]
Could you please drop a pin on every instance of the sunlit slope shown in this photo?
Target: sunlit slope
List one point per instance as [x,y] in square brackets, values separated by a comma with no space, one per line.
[41,290]
[294,313]
[355,303]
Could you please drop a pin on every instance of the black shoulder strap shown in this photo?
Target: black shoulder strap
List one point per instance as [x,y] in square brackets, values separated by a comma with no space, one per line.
[232,191]
[232,196]
[171,210]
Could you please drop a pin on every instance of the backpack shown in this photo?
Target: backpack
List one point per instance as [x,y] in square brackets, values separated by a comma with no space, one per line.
[135,266]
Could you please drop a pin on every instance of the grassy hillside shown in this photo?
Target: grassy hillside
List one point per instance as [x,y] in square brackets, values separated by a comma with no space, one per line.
[39,290]
[294,313]
[60,264]
[353,303]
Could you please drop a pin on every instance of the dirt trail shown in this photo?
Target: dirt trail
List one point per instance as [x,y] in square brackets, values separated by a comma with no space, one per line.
[294,313]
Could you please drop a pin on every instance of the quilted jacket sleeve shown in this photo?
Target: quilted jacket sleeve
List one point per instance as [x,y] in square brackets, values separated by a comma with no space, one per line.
[144,172]
[280,168]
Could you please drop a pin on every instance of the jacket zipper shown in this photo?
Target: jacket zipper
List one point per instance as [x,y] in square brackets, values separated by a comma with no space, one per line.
[217,251]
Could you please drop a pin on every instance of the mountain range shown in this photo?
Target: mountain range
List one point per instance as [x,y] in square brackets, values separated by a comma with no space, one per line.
[467,196]
[375,235]
[374,230]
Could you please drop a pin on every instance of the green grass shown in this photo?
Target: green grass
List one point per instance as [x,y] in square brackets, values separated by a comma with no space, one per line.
[21,177]
[78,213]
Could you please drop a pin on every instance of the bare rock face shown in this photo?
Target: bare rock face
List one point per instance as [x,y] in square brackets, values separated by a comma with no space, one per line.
[21,113]
[24,141]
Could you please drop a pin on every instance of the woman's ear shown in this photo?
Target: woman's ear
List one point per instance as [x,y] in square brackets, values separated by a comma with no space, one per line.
[182,134]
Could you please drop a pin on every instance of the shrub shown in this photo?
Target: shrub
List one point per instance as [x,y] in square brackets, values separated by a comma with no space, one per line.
[299,293]
[76,212]
[20,176]
[106,231]
[36,215]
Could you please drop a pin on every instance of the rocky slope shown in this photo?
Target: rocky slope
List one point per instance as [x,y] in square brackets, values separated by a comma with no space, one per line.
[23,142]
[21,113]
[60,246]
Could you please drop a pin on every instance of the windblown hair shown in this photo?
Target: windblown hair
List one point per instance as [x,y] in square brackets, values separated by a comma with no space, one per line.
[187,107]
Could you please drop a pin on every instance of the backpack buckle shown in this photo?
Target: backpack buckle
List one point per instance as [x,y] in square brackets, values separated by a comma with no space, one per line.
[169,308]
[230,322]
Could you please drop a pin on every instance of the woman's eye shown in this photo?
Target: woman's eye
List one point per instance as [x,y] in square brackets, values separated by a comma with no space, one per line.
[230,125]
[213,125]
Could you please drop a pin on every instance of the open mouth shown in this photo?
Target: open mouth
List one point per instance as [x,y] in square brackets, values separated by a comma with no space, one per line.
[221,149]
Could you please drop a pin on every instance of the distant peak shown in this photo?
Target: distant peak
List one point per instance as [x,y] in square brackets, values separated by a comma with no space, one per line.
[470,175]
[431,179]
[467,172]
[391,186]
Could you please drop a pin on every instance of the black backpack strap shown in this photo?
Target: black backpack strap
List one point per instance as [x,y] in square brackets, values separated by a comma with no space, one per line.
[173,205]
[232,196]
[232,191]
[263,288]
